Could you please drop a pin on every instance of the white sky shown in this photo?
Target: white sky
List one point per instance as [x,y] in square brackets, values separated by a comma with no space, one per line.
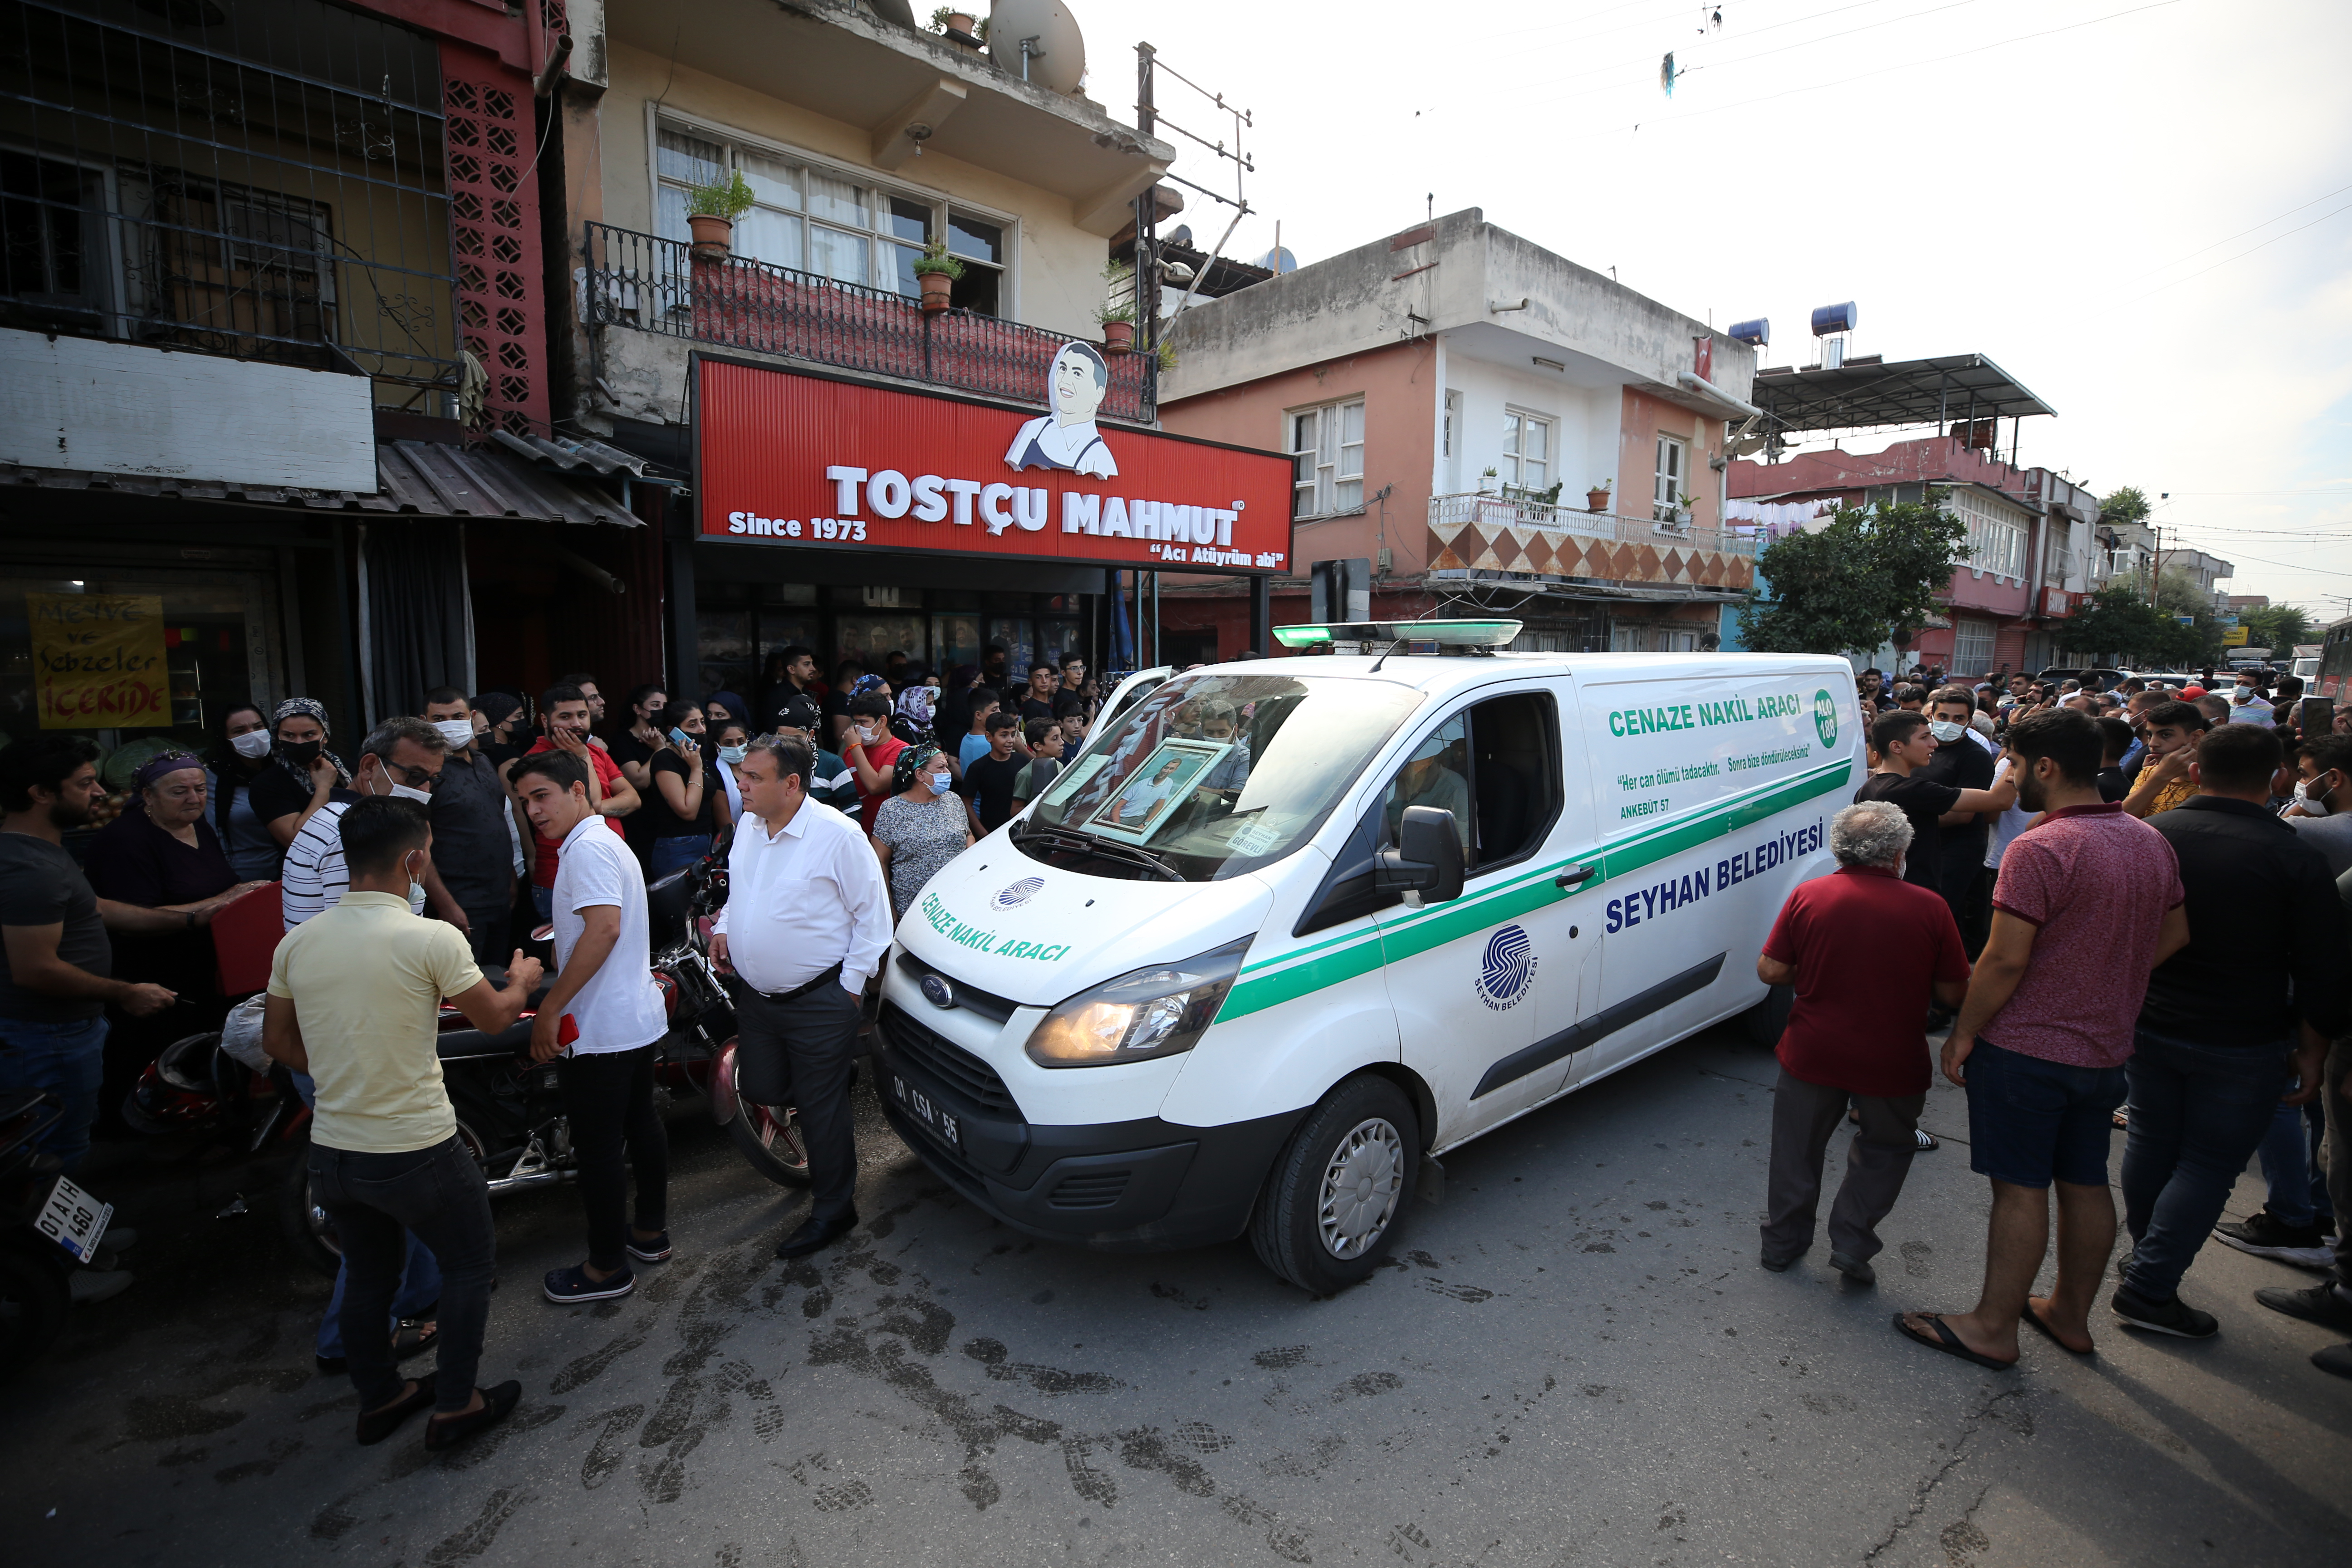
[2053,202]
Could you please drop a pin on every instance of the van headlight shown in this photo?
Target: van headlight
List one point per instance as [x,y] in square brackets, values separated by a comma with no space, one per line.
[1153,1012]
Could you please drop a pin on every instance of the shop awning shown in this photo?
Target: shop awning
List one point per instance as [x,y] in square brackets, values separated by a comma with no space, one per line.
[414,478]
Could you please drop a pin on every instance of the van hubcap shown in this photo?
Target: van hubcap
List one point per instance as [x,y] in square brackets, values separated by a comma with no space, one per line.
[1360,1188]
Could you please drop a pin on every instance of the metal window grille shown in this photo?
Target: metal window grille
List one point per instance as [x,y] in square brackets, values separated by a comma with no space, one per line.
[644,281]
[262,180]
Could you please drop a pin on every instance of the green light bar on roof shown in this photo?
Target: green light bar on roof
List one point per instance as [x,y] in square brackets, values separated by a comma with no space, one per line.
[1441,634]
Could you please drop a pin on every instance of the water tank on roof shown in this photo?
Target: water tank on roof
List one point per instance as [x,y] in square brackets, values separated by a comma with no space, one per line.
[1834,319]
[1758,332]
[1278,260]
[1058,57]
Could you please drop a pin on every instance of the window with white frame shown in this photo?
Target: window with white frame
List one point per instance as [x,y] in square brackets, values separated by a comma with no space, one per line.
[833,224]
[1971,645]
[1672,472]
[1996,534]
[1526,465]
[1326,453]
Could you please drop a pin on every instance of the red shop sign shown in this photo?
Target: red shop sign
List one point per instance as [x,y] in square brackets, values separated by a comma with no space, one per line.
[792,460]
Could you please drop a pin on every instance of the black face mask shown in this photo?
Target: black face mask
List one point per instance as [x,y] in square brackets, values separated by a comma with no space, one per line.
[301,753]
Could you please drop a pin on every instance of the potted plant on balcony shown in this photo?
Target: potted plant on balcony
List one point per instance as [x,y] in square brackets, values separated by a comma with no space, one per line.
[936,272]
[1597,497]
[711,211]
[1116,315]
[1683,504]
[949,20]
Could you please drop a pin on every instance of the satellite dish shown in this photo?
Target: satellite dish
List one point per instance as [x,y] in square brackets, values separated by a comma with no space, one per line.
[1745,444]
[1278,260]
[1057,56]
[1183,236]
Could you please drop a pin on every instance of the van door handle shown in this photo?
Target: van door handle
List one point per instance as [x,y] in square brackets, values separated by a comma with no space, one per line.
[1575,875]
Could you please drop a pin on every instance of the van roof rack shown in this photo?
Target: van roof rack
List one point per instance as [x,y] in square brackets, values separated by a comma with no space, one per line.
[1460,637]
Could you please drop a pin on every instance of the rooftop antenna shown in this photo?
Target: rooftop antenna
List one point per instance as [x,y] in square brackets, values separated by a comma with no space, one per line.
[1147,119]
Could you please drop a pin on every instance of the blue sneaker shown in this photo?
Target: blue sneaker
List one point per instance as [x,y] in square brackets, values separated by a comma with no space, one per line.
[654,1251]
[565,1286]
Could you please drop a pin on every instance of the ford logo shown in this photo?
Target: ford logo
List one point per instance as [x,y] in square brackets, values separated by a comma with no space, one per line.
[938,992]
[1018,894]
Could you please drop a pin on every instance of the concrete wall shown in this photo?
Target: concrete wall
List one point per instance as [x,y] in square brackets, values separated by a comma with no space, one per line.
[1398,384]
[1057,279]
[1584,431]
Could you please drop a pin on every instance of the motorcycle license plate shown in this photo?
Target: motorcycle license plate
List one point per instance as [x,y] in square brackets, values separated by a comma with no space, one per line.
[938,1123]
[73,1220]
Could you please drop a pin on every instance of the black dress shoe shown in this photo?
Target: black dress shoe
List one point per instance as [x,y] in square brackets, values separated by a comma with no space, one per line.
[376,1425]
[816,1234]
[497,1404]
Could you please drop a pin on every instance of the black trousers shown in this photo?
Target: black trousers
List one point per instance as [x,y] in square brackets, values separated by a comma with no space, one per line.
[800,1054]
[1804,1116]
[486,921]
[609,1097]
[376,1199]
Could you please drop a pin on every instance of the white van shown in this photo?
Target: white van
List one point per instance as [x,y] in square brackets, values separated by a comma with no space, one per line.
[1285,931]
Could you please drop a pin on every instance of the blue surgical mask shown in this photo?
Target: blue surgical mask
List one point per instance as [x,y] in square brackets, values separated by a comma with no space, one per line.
[731,755]
[939,782]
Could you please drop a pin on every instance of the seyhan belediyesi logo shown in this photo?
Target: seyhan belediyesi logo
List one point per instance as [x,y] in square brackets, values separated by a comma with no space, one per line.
[1018,894]
[1507,969]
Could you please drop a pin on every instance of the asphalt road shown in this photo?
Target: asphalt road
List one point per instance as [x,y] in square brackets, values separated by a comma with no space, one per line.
[1572,1359]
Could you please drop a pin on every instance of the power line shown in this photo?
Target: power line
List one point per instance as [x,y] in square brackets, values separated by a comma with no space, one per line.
[2241,235]
[2225,261]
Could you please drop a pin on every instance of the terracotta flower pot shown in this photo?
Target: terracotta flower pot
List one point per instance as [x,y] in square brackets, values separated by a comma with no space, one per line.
[1118,337]
[960,22]
[711,234]
[1596,500]
[937,286]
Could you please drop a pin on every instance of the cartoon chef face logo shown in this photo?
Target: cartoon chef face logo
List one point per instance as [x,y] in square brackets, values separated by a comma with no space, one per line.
[1066,439]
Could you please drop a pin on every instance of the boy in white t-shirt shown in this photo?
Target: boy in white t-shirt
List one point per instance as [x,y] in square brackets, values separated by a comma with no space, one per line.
[601,1022]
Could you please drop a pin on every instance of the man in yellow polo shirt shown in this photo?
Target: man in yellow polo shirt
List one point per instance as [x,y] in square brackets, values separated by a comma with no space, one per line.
[354,1000]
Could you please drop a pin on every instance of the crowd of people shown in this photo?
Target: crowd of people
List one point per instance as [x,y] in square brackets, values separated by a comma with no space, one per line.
[2129,908]
[495,817]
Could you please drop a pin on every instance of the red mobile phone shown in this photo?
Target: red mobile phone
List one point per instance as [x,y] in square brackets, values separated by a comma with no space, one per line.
[566,1030]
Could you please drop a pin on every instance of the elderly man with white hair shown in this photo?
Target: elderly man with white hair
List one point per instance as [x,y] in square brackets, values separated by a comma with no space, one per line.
[1865,951]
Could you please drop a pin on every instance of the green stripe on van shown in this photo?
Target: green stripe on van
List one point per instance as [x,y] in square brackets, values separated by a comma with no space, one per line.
[1289,975]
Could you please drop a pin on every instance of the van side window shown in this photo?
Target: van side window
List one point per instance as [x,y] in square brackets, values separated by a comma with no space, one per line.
[1496,767]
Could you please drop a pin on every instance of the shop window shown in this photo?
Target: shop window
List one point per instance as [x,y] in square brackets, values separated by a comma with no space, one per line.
[1973,645]
[979,244]
[955,639]
[1326,451]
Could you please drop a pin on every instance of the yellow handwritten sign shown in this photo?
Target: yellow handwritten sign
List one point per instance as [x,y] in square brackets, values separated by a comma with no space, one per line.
[97,660]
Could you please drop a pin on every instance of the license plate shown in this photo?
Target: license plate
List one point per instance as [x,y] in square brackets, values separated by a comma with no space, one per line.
[938,1123]
[73,1220]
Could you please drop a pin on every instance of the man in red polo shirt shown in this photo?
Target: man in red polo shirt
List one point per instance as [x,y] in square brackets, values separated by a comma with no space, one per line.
[1864,950]
[565,712]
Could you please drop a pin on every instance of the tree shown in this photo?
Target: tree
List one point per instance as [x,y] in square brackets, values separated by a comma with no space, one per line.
[2276,626]
[2116,620]
[1868,573]
[2123,506]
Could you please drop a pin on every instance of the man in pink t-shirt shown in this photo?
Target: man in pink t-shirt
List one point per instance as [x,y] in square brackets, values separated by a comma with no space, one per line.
[2088,903]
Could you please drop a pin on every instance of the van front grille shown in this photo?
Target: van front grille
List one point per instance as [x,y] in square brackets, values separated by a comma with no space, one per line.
[956,1069]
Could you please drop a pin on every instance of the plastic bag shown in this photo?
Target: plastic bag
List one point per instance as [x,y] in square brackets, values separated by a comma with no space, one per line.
[241,1033]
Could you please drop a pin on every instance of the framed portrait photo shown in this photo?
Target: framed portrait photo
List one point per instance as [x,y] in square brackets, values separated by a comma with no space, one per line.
[1146,801]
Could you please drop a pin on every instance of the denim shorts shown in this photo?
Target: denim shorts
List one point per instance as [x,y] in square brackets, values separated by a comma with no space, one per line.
[2032,1120]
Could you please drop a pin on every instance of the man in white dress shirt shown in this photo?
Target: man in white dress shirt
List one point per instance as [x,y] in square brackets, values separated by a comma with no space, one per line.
[807,922]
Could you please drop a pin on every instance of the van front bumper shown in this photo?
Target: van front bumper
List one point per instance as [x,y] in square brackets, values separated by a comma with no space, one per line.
[1142,1186]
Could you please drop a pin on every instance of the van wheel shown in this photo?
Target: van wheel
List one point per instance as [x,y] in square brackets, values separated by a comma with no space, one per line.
[1339,1187]
[1768,1018]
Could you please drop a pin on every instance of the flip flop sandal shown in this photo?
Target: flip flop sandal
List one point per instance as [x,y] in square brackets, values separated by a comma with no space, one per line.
[2121,1118]
[414,1337]
[1948,1342]
[1927,1140]
[2039,1322]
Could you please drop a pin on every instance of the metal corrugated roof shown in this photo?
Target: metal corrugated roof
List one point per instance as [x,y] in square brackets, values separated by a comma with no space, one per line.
[414,478]
[569,456]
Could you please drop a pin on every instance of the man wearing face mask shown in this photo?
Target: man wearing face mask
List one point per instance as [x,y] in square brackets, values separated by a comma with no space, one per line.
[401,758]
[1964,760]
[470,880]
[2322,808]
[872,753]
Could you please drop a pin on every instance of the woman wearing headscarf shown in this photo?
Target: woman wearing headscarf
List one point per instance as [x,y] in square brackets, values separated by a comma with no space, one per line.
[723,708]
[920,828]
[241,755]
[307,775]
[952,715]
[918,705]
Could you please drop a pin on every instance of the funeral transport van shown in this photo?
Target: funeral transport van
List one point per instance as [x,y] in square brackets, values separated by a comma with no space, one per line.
[1287,930]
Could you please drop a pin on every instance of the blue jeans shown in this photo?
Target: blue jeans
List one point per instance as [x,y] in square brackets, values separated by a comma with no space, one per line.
[2289,1154]
[420,1273]
[65,1059]
[2198,1114]
[542,901]
[2032,1121]
[669,855]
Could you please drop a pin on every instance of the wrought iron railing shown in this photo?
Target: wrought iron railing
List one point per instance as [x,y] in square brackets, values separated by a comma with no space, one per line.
[1490,511]
[657,286]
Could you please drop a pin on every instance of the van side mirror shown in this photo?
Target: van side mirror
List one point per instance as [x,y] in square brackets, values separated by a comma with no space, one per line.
[1428,856]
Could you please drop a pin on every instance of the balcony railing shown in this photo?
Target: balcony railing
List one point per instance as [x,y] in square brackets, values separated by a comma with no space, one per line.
[1509,512]
[655,285]
[1501,533]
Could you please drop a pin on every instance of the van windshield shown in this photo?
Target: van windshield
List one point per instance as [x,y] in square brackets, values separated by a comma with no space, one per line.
[1211,775]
